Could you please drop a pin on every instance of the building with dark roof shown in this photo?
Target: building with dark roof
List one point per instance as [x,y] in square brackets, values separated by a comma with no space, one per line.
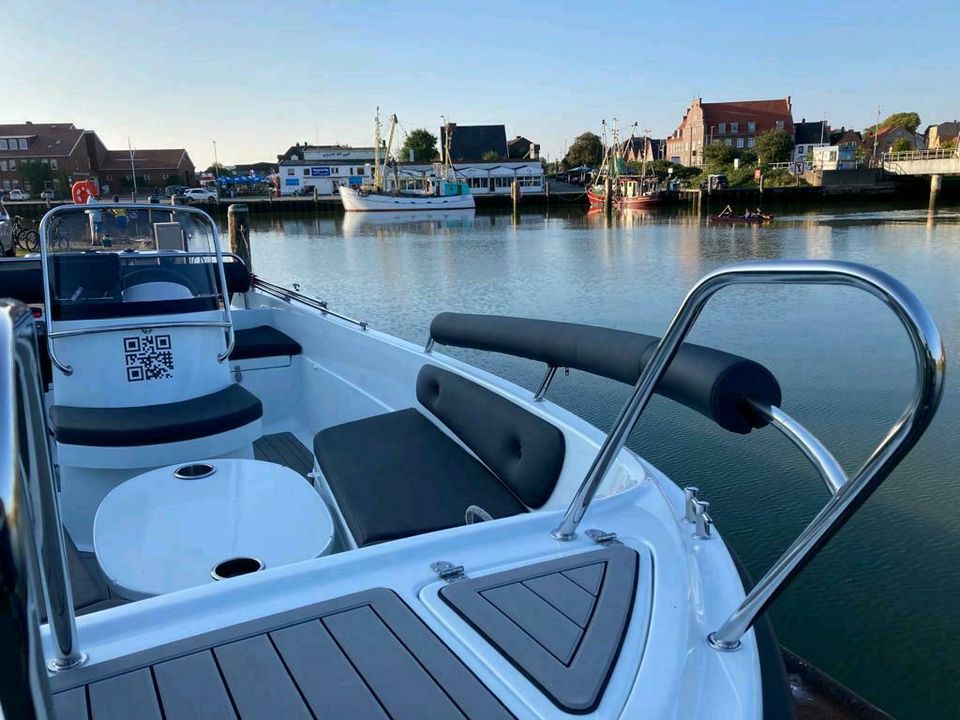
[643,149]
[55,154]
[153,169]
[522,149]
[474,143]
[736,124]
[808,135]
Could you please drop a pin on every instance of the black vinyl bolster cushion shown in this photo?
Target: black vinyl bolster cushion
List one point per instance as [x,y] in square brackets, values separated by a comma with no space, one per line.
[524,451]
[712,382]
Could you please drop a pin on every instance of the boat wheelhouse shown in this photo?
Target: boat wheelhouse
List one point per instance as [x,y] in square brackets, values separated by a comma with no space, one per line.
[221,495]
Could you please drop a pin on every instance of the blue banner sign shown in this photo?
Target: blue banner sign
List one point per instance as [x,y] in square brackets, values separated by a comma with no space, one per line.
[320,172]
[291,181]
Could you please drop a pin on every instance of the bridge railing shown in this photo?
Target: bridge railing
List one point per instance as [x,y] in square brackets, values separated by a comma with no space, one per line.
[939,154]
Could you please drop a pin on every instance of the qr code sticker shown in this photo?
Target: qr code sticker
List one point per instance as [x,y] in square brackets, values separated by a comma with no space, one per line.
[148,357]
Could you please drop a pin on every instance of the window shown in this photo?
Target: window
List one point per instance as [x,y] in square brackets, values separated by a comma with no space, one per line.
[13,165]
[721,128]
[734,128]
[729,142]
[751,127]
[751,142]
[45,161]
[779,124]
[23,144]
[6,184]
[799,150]
[3,165]
[739,142]
[306,171]
[53,164]
[3,143]
[291,171]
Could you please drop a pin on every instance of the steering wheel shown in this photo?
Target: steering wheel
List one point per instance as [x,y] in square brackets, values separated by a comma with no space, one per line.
[148,275]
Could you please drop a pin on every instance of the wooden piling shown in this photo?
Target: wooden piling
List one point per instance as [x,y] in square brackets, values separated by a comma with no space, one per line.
[238,232]
[608,195]
[515,194]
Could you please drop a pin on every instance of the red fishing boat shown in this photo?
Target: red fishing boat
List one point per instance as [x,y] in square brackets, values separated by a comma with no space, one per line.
[626,190]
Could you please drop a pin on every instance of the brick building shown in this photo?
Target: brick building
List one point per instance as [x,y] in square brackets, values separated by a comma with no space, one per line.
[154,169]
[50,154]
[735,123]
[39,156]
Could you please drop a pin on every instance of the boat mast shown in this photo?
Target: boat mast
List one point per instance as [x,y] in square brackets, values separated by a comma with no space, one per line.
[377,177]
[386,155]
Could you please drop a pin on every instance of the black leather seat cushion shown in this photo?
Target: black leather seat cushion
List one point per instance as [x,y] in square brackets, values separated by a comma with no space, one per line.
[263,341]
[398,475]
[224,410]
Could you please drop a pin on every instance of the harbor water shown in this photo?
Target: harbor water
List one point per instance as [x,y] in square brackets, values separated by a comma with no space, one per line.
[879,609]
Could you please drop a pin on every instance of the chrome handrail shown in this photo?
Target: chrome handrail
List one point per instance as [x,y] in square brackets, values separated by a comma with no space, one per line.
[286,294]
[29,511]
[849,495]
[53,214]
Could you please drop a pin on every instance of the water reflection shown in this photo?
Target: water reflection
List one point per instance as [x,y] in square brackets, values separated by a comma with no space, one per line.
[418,222]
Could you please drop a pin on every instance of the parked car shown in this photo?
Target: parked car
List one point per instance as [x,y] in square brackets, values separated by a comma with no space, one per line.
[197,195]
[50,195]
[18,194]
[171,190]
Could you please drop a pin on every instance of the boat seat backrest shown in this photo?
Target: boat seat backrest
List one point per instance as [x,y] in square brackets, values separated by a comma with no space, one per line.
[524,451]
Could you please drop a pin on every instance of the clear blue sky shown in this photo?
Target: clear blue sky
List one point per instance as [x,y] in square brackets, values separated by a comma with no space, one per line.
[259,76]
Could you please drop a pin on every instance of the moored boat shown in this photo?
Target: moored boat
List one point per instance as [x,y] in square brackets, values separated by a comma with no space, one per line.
[442,191]
[626,190]
[236,498]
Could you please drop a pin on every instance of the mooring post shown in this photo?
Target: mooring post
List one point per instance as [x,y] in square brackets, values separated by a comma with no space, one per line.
[546,189]
[515,194]
[238,232]
[608,195]
[936,182]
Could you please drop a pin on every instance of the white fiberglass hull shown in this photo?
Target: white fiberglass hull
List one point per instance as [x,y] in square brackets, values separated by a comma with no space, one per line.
[354,201]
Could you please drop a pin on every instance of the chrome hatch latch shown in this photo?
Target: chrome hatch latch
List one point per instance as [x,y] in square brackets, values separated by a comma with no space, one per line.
[602,538]
[447,571]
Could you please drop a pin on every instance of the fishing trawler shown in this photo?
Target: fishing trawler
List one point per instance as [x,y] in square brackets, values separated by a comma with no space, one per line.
[220,497]
[443,190]
[626,190]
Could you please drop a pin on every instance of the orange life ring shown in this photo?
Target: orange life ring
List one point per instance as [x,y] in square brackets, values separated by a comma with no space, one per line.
[82,191]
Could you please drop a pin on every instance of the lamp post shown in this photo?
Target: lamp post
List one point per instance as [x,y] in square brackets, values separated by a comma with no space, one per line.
[133,169]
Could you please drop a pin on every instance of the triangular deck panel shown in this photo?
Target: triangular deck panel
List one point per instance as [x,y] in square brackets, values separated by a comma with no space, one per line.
[561,623]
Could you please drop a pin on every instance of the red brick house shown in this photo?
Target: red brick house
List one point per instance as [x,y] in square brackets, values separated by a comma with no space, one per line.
[154,169]
[62,153]
[735,123]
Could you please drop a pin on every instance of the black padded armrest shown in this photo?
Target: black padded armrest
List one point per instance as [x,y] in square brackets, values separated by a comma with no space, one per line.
[712,382]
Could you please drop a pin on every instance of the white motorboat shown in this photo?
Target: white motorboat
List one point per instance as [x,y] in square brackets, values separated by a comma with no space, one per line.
[220,497]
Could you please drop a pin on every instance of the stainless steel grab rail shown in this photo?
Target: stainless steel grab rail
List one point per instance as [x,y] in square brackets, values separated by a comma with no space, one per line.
[849,495]
[36,528]
[286,294]
[53,216]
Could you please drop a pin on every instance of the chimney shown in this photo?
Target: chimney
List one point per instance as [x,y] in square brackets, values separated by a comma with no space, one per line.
[29,122]
[789,104]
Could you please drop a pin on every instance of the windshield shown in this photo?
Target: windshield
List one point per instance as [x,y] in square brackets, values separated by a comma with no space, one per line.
[108,260]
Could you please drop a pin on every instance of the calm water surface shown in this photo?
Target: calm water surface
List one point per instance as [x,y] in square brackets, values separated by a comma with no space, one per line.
[880,608]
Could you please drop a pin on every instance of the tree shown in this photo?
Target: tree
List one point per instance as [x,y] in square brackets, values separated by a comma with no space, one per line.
[218,169]
[587,149]
[490,156]
[718,155]
[774,146]
[900,145]
[423,143]
[908,120]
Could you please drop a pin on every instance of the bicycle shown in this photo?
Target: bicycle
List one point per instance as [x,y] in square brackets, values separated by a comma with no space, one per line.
[26,238]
